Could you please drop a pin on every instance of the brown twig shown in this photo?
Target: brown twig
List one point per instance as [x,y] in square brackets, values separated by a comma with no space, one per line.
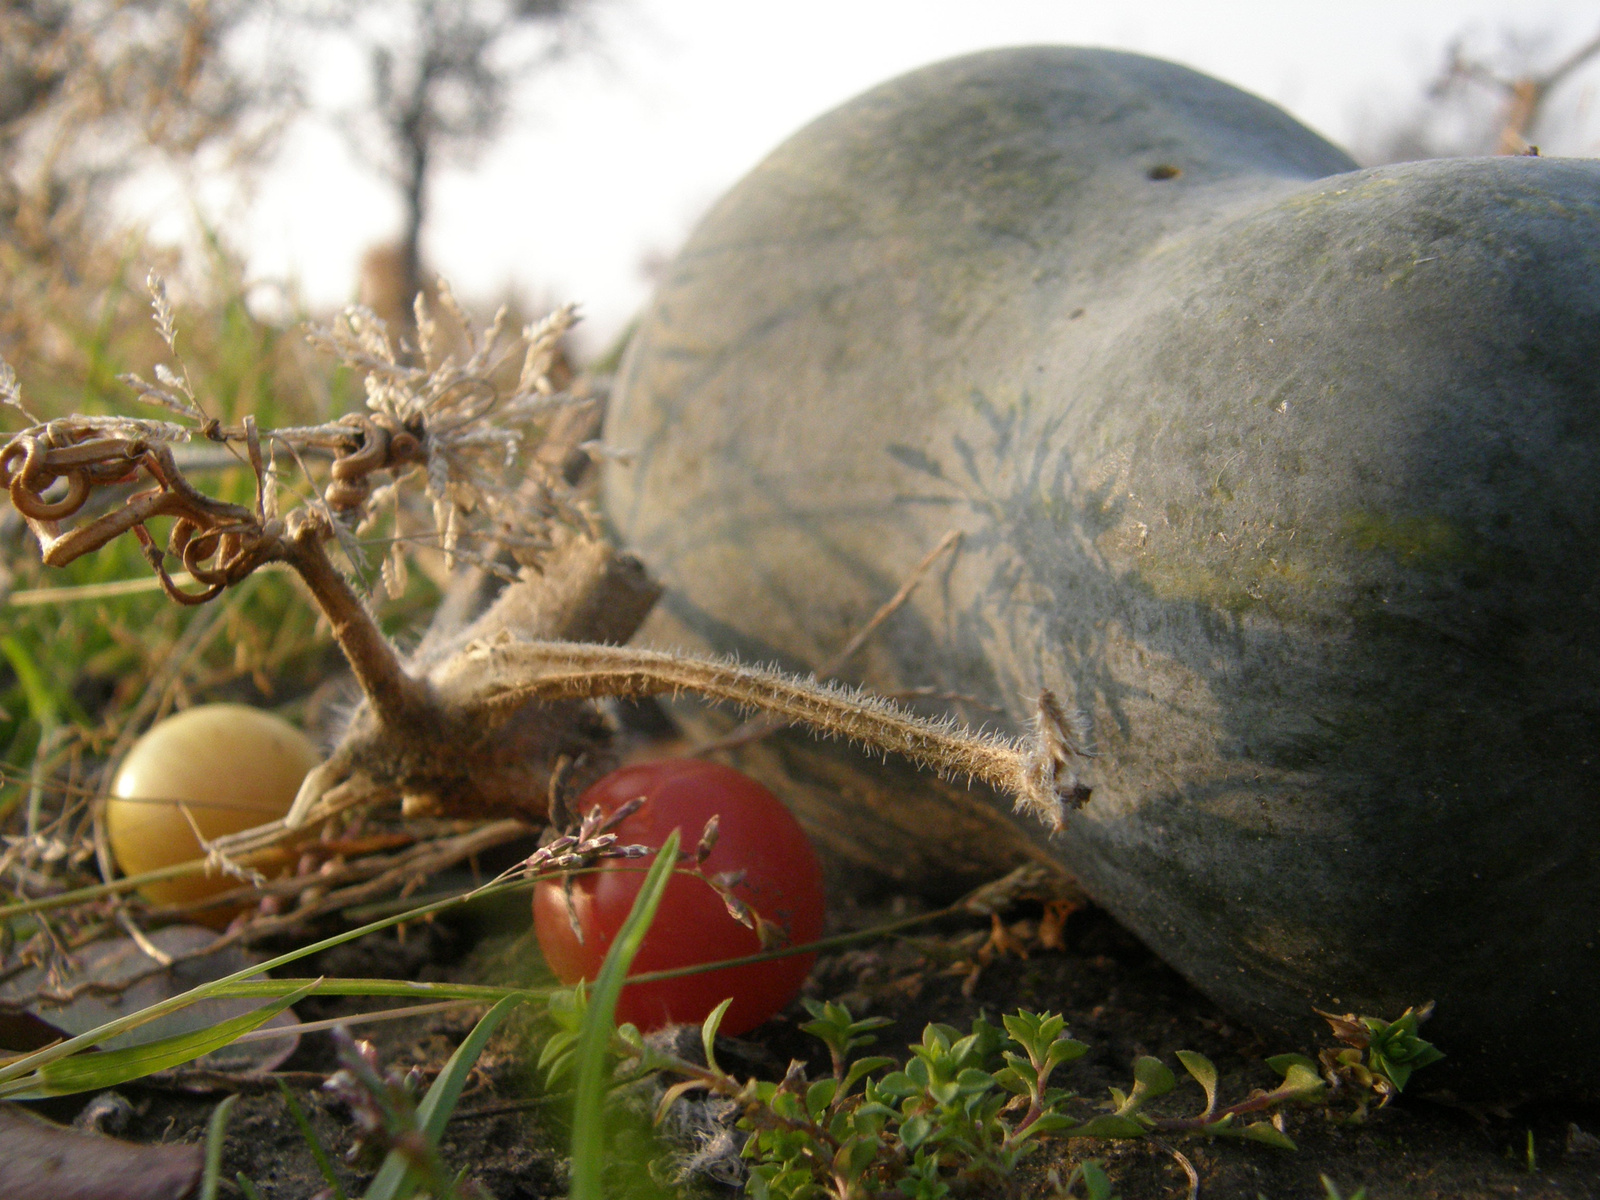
[1525,94]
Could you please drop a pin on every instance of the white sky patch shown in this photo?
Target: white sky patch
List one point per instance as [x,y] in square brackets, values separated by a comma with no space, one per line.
[613,155]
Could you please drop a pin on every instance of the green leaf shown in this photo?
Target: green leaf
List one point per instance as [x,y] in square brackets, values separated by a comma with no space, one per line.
[1063,1050]
[1109,1126]
[556,1058]
[1266,1134]
[1035,1032]
[394,1178]
[1047,1123]
[1151,1078]
[1396,1073]
[92,1071]
[898,1084]
[915,1131]
[216,1131]
[708,1033]
[918,1072]
[819,1095]
[1331,1190]
[588,1131]
[1395,1049]
[1095,1181]
[863,1067]
[855,1156]
[1301,1079]
[248,1188]
[1204,1073]
[1018,1079]
[1281,1063]
[974,1082]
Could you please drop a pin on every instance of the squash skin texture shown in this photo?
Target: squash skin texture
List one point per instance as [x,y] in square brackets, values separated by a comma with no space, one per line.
[1283,471]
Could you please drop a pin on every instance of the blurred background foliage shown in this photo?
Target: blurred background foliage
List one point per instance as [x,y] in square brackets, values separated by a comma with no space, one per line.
[92,92]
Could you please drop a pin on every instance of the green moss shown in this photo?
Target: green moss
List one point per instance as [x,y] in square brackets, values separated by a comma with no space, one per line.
[1425,542]
[1261,581]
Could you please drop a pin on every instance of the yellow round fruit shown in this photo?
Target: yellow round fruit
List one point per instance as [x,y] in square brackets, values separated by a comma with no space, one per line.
[232,767]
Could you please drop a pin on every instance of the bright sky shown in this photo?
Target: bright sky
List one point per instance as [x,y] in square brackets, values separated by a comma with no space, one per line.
[614,155]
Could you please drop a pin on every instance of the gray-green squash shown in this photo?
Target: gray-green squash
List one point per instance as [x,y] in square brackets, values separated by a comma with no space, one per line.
[1286,473]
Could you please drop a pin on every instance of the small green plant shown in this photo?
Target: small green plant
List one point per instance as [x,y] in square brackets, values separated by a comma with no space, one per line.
[1330,1191]
[963,1112]
[395,1130]
[1379,1056]
[1096,1185]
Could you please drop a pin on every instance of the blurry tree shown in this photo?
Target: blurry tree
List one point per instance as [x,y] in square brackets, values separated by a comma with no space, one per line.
[442,74]
[92,92]
[1523,94]
[90,89]
[1489,102]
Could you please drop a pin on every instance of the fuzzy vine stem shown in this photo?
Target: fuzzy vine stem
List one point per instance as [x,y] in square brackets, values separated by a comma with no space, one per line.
[1041,772]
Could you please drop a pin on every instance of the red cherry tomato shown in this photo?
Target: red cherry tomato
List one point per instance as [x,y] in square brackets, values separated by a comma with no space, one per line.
[756,835]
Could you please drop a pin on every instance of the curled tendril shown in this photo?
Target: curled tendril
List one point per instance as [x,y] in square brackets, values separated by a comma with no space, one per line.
[30,465]
[218,543]
[384,446]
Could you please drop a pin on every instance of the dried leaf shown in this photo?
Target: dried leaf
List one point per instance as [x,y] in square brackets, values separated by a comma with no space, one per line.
[1347,1028]
[120,961]
[40,1160]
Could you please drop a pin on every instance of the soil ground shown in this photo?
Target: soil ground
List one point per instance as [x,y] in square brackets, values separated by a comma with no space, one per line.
[1114,993]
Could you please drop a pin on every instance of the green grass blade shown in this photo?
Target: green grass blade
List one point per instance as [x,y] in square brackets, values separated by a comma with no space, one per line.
[594,1037]
[43,704]
[249,1189]
[125,883]
[216,1130]
[433,1114]
[35,1061]
[319,1152]
[476,993]
[436,1107]
[243,983]
[108,1068]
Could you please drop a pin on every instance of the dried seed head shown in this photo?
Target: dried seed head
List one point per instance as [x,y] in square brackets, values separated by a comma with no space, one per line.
[161,306]
[737,909]
[708,839]
[623,811]
[11,392]
[772,935]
